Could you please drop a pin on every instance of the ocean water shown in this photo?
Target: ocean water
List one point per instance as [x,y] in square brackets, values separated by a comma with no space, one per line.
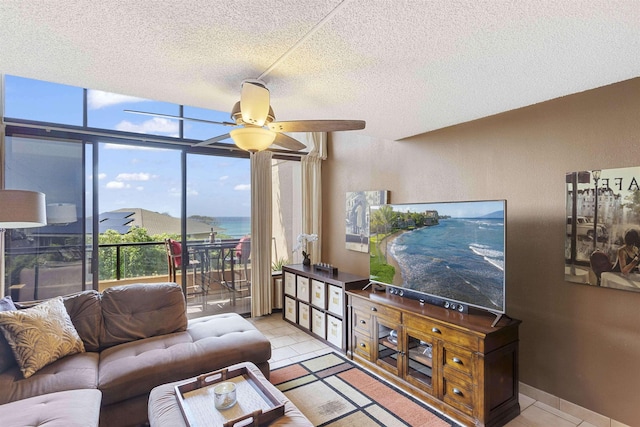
[234,226]
[459,259]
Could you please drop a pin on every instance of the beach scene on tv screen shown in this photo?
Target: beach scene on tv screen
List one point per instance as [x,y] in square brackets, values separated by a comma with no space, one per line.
[450,250]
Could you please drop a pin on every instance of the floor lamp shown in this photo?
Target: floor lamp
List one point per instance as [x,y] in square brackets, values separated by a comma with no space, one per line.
[19,209]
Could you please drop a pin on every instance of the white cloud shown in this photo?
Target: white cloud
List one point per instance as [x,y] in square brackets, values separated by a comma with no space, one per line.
[140,188]
[155,125]
[117,185]
[139,176]
[242,187]
[223,178]
[97,99]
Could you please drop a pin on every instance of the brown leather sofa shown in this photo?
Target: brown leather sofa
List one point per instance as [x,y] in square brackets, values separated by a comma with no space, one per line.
[137,337]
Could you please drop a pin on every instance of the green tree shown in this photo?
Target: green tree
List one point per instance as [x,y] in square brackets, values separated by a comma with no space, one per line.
[135,261]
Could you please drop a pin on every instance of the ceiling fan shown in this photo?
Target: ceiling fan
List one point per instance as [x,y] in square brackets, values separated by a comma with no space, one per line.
[255,128]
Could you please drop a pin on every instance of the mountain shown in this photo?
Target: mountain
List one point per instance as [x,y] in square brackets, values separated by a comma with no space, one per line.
[494,215]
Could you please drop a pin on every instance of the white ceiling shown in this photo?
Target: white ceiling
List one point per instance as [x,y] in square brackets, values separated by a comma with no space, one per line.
[406,67]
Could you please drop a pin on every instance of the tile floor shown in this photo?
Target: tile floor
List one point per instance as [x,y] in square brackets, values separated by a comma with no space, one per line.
[290,344]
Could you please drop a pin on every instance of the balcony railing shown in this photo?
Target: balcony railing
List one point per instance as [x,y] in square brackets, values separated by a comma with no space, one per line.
[36,272]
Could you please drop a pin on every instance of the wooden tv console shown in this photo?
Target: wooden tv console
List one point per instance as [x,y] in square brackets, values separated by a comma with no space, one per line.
[457,363]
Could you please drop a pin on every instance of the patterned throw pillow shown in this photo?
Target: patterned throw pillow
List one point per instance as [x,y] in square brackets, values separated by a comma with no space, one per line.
[40,335]
[6,355]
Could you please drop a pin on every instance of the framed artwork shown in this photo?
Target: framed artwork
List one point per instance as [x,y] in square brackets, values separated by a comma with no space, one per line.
[357,217]
[603,227]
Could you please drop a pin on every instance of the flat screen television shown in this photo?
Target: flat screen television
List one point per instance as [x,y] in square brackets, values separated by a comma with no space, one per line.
[450,253]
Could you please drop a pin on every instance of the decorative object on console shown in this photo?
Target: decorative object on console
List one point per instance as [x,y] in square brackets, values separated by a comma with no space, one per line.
[326,267]
[303,241]
[19,209]
[357,217]
[602,226]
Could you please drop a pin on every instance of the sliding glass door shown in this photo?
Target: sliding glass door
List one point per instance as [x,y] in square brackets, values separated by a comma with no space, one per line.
[47,261]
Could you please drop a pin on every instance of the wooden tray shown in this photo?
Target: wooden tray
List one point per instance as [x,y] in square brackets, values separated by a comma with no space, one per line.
[256,404]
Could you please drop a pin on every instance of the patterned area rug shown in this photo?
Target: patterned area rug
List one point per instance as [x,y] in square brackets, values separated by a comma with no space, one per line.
[332,391]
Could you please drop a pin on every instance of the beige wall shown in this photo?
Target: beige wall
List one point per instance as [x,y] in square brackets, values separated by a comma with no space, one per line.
[578,342]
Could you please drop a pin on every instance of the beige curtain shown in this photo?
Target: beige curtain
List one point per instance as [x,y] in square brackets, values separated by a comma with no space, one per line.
[312,191]
[261,216]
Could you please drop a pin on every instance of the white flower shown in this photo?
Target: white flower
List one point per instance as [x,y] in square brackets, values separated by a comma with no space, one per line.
[303,239]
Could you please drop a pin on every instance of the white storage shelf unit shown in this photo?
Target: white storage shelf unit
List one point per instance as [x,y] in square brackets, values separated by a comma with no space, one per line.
[315,302]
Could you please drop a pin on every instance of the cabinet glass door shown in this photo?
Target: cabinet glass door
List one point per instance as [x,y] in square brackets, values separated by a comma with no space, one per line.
[420,352]
[388,346]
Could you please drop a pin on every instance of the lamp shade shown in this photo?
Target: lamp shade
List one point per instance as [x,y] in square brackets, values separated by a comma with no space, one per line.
[61,213]
[22,209]
[253,138]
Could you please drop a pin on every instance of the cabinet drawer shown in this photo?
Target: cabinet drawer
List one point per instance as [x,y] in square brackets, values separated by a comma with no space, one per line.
[459,394]
[334,331]
[336,300]
[289,284]
[303,288]
[304,315]
[362,321]
[362,346]
[442,331]
[290,309]
[318,323]
[457,359]
[390,314]
[318,294]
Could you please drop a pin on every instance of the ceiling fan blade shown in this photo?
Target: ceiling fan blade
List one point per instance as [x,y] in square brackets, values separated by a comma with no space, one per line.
[316,125]
[254,102]
[285,141]
[212,140]
[169,116]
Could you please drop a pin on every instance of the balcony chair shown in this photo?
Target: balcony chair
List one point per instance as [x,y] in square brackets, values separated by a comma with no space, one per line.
[174,261]
[242,260]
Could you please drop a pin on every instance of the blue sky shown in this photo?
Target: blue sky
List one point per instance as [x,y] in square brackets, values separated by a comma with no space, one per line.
[134,176]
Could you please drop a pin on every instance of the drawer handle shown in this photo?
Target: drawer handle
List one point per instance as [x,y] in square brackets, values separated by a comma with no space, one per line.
[363,345]
[374,309]
[456,360]
[363,322]
[458,392]
[435,330]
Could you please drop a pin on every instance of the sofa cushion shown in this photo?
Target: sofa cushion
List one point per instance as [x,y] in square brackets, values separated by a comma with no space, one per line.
[69,373]
[85,311]
[6,354]
[40,335]
[209,343]
[74,408]
[134,312]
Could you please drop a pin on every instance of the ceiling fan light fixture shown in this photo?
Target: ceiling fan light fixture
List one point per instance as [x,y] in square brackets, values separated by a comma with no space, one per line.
[253,138]
[254,103]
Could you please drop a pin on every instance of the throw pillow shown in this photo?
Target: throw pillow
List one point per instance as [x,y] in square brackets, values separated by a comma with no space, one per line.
[40,335]
[6,355]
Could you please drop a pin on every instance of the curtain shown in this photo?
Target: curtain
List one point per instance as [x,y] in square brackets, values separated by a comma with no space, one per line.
[261,217]
[312,191]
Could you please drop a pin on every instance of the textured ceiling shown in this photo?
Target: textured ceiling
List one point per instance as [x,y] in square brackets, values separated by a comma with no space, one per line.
[406,67]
